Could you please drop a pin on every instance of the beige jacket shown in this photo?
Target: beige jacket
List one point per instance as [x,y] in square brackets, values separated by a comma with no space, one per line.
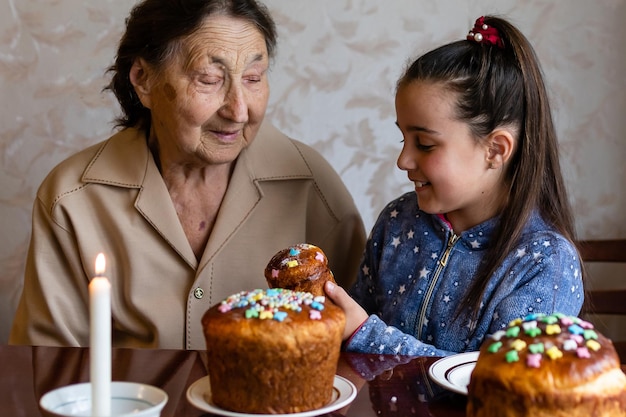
[110,198]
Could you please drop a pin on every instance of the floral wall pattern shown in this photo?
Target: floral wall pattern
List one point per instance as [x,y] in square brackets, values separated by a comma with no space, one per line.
[332,87]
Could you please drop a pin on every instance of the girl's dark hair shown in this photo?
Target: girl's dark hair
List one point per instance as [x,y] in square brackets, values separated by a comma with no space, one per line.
[498,87]
[153,31]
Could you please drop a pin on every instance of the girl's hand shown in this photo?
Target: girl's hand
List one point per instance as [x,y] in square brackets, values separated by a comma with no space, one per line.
[355,315]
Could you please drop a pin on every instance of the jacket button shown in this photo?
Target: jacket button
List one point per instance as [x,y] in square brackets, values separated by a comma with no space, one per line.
[198,293]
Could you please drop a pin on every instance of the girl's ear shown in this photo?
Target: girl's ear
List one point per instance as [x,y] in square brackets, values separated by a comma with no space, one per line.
[139,78]
[500,146]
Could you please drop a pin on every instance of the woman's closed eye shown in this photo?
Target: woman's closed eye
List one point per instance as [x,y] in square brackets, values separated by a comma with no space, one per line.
[209,80]
[253,79]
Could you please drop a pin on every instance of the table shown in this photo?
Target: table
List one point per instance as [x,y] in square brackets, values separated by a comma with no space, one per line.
[388,385]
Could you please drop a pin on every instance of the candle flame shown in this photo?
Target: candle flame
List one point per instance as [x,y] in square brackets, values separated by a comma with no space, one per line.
[100,264]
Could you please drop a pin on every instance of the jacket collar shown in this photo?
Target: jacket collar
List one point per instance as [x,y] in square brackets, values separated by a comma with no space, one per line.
[125,161]
[121,161]
[480,236]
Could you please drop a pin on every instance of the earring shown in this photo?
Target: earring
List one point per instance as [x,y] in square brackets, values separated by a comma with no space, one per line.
[490,165]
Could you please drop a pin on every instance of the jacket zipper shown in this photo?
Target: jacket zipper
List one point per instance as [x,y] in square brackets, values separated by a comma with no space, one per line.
[431,287]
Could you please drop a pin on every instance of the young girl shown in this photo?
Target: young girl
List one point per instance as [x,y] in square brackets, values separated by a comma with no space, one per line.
[487,235]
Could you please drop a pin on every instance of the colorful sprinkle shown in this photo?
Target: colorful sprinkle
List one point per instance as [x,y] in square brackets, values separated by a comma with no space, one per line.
[292,264]
[583,352]
[536,348]
[315,315]
[518,344]
[511,356]
[317,306]
[575,329]
[498,335]
[280,315]
[593,345]
[251,313]
[533,360]
[570,344]
[553,329]
[266,314]
[590,334]
[533,332]
[494,347]
[512,331]
[554,353]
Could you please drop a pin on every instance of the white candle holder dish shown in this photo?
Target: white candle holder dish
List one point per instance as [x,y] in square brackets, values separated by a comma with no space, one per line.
[127,399]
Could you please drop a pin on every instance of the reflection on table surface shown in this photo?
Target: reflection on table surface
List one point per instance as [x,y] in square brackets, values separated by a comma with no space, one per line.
[387,385]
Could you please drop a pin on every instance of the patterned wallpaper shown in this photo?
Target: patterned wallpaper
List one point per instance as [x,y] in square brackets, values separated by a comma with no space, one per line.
[332,87]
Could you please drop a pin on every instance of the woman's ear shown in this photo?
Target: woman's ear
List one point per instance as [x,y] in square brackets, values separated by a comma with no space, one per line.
[139,78]
[500,146]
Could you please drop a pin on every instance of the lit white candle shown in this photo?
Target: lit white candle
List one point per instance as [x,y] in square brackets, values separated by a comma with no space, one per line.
[100,341]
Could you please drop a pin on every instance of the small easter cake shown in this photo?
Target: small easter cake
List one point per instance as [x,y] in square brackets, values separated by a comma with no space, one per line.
[273,351]
[301,267]
[547,365]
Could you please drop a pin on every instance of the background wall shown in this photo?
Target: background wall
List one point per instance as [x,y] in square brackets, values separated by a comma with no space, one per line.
[332,87]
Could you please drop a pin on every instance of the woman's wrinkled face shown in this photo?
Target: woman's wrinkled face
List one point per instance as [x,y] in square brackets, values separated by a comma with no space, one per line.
[208,102]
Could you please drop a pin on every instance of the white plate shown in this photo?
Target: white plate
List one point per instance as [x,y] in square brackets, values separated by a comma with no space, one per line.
[199,394]
[453,372]
[127,399]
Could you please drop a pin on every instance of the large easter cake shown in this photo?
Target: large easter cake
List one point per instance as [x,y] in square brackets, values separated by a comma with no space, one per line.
[273,351]
[547,366]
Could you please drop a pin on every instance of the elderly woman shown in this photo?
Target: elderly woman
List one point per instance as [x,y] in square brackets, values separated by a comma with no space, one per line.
[191,198]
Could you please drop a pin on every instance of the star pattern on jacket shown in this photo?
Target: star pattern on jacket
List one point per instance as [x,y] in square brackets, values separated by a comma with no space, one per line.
[401,274]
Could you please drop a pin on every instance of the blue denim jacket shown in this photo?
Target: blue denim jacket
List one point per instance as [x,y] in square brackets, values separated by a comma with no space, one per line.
[415,273]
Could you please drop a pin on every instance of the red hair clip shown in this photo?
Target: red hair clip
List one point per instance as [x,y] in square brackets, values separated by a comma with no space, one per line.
[482,33]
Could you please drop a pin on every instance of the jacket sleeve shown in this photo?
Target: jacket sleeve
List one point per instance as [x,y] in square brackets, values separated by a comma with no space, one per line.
[550,283]
[374,336]
[53,308]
